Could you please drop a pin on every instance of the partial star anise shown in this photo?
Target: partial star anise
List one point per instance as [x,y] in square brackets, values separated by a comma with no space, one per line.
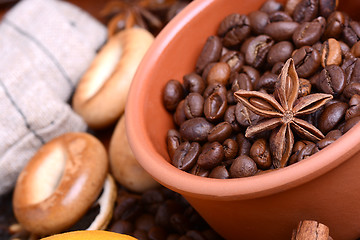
[142,13]
[282,115]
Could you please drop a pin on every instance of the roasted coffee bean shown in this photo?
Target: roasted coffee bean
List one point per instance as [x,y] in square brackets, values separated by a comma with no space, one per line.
[276,69]
[257,50]
[199,171]
[157,233]
[179,115]
[252,73]
[220,132]
[243,144]
[215,106]
[128,208]
[332,80]
[352,89]
[243,166]
[180,223]
[234,59]
[355,50]
[345,49]
[219,73]
[219,172]
[241,81]
[334,25]
[308,33]
[280,52]
[122,227]
[145,222]
[353,71]
[165,211]
[331,137]
[281,31]
[306,10]
[317,46]
[290,6]
[349,124]
[214,88]
[211,52]
[194,83]
[331,116]
[351,33]
[234,29]
[173,141]
[308,150]
[230,98]
[211,156]
[260,153]
[194,105]
[244,116]
[230,148]
[173,94]
[304,88]
[270,6]
[267,81]
[331,53]
[231,118]
[295,151]
[258,20]
[307,61]
[280,16]
[195,129]
[207,70]
[354,108]
[326,7]
[186,155]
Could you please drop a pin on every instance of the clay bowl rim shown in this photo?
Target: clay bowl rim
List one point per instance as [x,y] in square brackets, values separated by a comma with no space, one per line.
[226,189]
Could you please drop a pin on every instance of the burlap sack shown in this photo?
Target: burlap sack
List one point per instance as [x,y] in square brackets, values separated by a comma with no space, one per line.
[45,47]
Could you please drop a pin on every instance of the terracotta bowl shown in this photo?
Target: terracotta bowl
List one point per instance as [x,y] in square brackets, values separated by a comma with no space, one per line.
[324,187]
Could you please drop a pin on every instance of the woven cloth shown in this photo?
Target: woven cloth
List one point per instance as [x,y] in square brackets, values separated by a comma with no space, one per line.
[45,47]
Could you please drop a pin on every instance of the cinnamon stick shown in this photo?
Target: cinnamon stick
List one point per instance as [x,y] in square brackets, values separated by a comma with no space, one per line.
[311,230]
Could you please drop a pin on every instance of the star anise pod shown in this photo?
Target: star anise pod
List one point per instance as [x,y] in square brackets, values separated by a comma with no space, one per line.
[282,115]
[142,13]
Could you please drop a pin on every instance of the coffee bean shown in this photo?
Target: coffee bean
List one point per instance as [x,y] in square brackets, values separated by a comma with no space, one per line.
[331,137]
[331,116]
[257,50]
[243,144]
[214,88]
[157,233]
[122,227]
[291,5]
[280,52]
[308,33]
[304,88]
[270,6]
[211,156]
[195,129]
[260,153]
[145,222]
[179,115]
[199,171]
[207,70]
[219,172]
[241,81]
[355,50]
[306,10]
[243,166]
[172,94]
[215,106]
[231,118]
[276,69]
[211,52]
[244,116]
[354,108]
[332,80]
[280,16]
[252,73]
[234,29]
[345,49]
[331,53]
[351,33]
[234,59]
[173,141]
[194,83]
[186,155]
[334,25]
[349,124]
[307,61]
[306,151]
[220,132]
[230,148]
[326,7]
[258,20]
[193,105]
[219,73]
[267,81]
[352,72]
[281,31]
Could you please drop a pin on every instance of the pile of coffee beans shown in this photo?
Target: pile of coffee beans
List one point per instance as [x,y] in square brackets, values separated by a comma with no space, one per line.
[248,52]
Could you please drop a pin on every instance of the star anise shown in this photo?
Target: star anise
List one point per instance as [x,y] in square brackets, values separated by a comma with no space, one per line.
[281,115]
[146,14]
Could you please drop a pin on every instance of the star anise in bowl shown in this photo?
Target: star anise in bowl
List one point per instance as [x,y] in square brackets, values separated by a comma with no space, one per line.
[281,113]
[152,15]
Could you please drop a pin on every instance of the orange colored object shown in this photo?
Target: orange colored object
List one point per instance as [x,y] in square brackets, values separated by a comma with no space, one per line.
[89,235]
[324,187]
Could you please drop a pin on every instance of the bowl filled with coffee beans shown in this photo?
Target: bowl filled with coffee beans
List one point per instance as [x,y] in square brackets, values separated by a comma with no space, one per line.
[249,109]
